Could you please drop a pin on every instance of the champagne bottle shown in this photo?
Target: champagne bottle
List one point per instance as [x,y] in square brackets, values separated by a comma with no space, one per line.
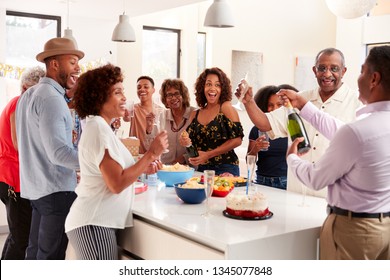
[297,129]
[192,151]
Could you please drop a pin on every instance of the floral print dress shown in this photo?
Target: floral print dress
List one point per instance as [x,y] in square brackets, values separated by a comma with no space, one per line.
[214,134]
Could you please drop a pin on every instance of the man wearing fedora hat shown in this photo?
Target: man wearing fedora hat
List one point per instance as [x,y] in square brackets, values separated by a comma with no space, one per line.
[47,157]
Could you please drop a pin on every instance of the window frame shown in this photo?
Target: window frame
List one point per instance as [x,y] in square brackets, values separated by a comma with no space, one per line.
[178,49]
[40,16]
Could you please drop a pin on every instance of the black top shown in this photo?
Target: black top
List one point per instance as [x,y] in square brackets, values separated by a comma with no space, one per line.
[271,163]
[214,134]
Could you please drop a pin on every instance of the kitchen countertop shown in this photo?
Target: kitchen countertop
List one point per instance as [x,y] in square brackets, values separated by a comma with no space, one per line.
[290,228]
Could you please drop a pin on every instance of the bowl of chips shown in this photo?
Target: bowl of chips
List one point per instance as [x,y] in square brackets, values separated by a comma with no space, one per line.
[174,174]
[190,192]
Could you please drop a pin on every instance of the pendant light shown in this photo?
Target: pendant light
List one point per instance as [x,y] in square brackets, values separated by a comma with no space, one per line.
[68,32]
[219,15]
[123,31]
[349,9]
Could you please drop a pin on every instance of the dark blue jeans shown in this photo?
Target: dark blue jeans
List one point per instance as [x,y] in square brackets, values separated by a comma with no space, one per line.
[221,168]
[48,240]
[275,182]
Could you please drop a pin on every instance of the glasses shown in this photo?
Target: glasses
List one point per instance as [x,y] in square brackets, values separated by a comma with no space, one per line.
[333,69]
[171,95]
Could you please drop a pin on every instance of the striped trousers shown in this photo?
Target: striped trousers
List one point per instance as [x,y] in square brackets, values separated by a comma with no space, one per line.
[94,243]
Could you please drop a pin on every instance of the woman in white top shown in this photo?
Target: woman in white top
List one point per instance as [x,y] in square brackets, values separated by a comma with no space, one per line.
[107,169]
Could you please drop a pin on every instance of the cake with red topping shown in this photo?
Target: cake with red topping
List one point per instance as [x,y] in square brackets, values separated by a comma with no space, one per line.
[244,205]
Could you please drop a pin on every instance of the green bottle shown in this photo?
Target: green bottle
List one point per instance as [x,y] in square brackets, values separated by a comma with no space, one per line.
[192,151]
[297,129]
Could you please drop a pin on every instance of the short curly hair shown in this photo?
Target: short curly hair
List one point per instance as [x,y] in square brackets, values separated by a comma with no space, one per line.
[93,89]
[31,76]
[176,84]
[226,86]
[262,95]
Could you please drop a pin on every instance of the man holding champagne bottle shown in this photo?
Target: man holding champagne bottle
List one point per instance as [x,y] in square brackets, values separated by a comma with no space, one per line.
[332,96]
[355,167]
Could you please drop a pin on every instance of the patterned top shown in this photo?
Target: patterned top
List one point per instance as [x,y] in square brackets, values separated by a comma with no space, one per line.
[214,134]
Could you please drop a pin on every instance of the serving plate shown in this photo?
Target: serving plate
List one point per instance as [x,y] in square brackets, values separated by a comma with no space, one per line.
[266,217]
[140,187]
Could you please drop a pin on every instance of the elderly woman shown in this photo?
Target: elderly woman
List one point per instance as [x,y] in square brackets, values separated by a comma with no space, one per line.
[215,128]
[107,169]
[174,95]
[18,208]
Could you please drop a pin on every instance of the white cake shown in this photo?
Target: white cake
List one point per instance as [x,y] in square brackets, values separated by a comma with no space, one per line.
[247,206]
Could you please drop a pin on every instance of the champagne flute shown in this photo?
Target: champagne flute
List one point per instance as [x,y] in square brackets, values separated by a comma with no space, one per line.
[303,202]
[208,179]
[130,109]
[245,84]
[261,133]
[162,121]
[251,163]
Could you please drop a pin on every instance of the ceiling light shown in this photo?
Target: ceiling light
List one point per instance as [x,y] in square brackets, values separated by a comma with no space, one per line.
[350,8]
[123,31]
[68,32]
[219,15]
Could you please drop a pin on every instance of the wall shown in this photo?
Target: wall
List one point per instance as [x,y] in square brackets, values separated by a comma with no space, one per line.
[280,35]
[351,37]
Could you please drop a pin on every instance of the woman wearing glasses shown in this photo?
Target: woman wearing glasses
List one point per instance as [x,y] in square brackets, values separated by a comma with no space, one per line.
[174,95]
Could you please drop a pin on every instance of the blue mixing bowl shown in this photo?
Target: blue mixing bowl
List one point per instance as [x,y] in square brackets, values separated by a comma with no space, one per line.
[190,196]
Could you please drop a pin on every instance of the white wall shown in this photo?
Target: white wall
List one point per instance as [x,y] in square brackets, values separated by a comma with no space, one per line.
[279,34]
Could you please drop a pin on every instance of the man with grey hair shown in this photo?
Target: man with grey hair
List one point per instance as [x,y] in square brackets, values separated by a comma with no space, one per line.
[18,209]
[331,96]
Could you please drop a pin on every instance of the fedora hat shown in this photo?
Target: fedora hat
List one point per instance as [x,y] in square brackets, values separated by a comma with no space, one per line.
[59,46]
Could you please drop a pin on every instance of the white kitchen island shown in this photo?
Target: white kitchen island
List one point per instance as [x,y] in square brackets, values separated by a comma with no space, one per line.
[166,228]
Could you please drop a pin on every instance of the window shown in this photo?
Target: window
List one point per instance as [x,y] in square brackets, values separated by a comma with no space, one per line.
[370,46]
[26,35]
[161,53]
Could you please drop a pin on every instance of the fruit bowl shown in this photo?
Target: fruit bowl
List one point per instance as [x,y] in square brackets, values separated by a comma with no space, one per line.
[190,195]
[221,193]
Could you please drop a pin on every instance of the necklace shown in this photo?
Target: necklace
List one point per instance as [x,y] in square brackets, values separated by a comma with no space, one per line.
[178,129]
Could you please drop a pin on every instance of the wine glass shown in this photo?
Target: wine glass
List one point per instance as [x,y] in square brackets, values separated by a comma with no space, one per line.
[245,84]
[250,163]
[208,182]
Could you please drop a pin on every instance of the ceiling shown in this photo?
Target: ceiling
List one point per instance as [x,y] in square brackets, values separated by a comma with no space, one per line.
[102,9]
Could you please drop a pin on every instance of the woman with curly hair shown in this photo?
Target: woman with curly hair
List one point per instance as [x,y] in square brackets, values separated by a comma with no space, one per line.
[215,129]
[175,97]
[107,168]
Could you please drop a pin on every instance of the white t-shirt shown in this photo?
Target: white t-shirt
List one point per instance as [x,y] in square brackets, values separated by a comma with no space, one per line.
[342,105]
[95,203]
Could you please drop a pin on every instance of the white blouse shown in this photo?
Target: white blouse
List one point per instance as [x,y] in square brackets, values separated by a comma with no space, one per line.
[95,203]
